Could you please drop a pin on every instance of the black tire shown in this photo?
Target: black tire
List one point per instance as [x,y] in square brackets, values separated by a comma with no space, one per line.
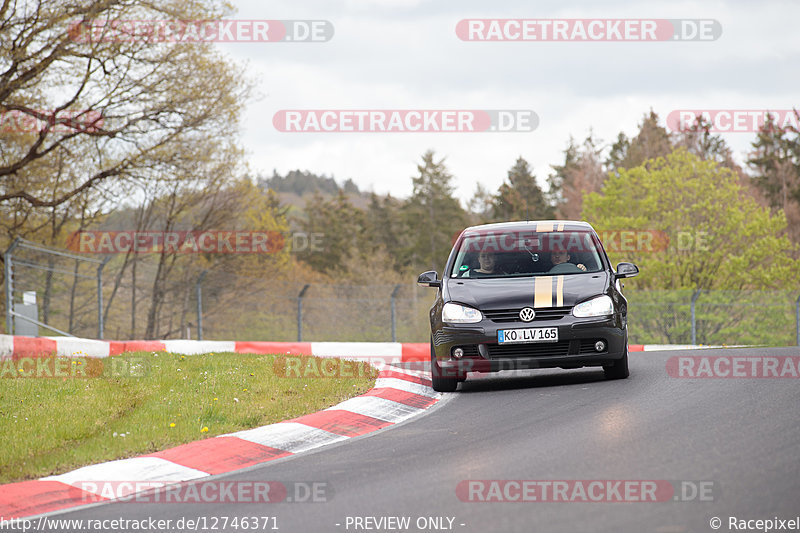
[438,381]
[619,370]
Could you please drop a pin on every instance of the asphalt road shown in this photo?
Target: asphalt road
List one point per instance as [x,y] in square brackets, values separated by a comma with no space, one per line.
[741,437]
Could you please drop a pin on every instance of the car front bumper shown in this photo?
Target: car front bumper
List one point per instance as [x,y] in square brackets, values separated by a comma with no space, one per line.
[574,349]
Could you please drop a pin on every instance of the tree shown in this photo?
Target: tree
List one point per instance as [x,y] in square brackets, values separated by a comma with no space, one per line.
[384,232]
[521,198]
[580,174]
[432,215]
[188,207]
[699,141]
[302,182]
[775,159]
[719,237]
[106,109]
[481,205]
[618,152]
[341,226]
[651,142]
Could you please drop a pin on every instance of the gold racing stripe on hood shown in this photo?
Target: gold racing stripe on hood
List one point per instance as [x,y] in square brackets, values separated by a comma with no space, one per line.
[543,291]
[559,291]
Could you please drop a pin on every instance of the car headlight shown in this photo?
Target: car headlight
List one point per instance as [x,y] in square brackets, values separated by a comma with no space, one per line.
[600,306]
[460,314]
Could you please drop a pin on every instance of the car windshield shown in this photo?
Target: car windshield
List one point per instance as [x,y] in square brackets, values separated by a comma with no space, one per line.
[526,253]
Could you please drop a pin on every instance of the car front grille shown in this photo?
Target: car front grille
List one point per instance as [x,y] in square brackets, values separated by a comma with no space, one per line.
[528,350]
[512,315]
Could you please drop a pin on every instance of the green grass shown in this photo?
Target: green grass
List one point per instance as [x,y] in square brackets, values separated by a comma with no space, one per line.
[51,425]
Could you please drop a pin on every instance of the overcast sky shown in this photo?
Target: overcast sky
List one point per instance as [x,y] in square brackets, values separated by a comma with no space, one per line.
[405,54]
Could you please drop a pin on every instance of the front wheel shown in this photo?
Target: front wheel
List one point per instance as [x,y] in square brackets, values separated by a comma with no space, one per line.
[618,370]
[439,382]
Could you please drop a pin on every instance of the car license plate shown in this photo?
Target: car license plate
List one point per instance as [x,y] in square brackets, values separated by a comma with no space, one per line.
[511,336]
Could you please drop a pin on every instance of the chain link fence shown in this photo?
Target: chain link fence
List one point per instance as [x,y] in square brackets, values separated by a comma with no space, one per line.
[324,312]
[720,317]
[45,286]
[132,297]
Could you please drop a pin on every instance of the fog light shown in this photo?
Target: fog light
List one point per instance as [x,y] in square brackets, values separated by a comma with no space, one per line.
[599,346]
[458,353]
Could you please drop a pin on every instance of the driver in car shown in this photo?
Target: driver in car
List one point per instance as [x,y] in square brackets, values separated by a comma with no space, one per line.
[488,264]
[560,259]
[487,267]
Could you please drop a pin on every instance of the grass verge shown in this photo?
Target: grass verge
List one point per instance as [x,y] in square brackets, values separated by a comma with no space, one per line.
[138,403]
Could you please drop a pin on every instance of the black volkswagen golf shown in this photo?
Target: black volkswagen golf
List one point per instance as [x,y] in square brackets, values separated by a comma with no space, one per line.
[521,295]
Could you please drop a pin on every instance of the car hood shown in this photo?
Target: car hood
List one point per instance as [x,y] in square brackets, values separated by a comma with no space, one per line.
[537,291]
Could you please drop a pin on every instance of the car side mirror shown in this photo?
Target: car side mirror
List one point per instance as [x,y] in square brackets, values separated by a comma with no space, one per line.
[429,279]
[627,270]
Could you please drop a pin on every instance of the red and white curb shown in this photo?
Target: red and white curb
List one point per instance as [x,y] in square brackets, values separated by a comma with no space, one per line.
[398,395]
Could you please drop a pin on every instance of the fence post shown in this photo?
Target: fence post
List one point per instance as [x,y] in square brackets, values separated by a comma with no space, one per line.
[300,312]
[9,283]
[394,314]
[797,319]
[199,288]
[100,325]
[695,296]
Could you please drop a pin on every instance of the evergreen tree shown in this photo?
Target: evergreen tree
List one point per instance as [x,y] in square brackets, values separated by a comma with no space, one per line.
[775,159]
[481,205]
[618,151]
[521,198]
[302,182]
[341,226]
[384,230]
[651,142]
[699,141]
[433,216]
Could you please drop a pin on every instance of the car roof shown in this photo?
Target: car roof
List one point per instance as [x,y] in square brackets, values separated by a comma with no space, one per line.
[533,225]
